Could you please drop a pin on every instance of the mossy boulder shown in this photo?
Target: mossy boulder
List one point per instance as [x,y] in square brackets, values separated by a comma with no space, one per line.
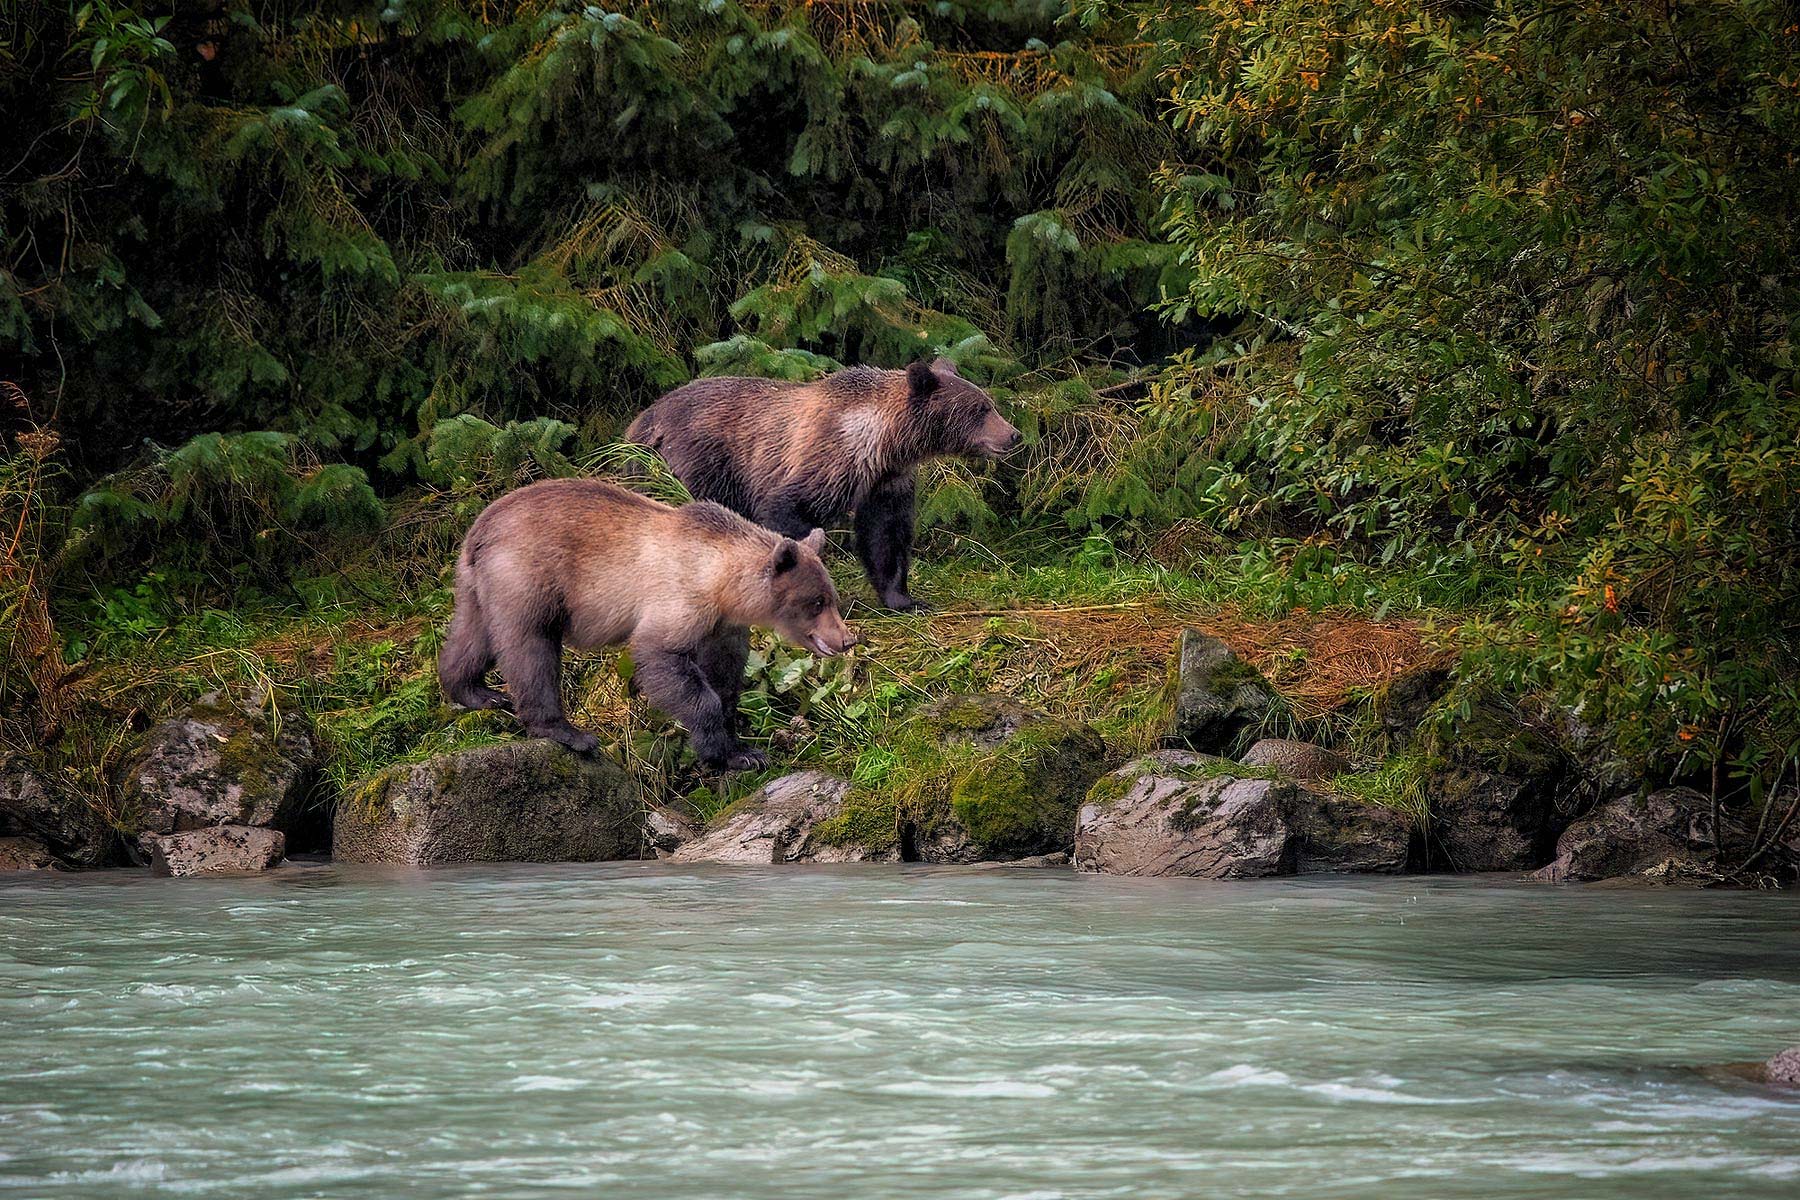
[1403,702]
[1214,697]
[1175,812]
[520,801]
[220,764]
[1011,778]
[32,806]
[797,818]
[1493,792]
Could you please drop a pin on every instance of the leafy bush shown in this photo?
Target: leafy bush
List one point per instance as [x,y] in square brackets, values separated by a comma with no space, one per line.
[1535,267]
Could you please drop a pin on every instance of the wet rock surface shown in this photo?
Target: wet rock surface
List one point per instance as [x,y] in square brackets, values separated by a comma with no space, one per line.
[797,818]
[1493,796]
[33,806]
[217,850]
[523,801]
[1179,813]
[1665,831]
[24,854]
[218,764]
[1215,696]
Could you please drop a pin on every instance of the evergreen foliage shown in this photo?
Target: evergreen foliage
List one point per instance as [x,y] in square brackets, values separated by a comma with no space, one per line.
[1482,306]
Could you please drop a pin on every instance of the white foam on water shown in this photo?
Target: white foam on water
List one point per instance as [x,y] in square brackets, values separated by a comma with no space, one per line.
[998,1089]
[548,1083]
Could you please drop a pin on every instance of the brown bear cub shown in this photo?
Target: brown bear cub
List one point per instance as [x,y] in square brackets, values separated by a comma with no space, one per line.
[796,456]
[592,564]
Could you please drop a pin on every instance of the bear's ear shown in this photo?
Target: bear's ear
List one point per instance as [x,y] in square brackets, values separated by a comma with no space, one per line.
[814,541]
[787,557]
[943,366]
[921,380]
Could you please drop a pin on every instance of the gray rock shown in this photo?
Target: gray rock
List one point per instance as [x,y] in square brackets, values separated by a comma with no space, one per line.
[1177,813]
[217,764]
[781,823]
[216,850]
[1338,835]
[1302,762]
[32,806]
[665,829]
[1784,1068]
[520,801]
[1215,696]
[1060,861]
[1633,834]
[24,854]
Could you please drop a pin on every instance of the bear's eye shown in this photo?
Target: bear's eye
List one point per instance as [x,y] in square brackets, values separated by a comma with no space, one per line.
[818,604]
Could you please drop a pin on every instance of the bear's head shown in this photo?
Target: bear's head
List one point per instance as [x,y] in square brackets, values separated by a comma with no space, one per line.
[953,416]
[804,601]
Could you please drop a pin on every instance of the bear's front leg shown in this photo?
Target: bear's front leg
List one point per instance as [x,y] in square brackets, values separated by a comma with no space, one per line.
[674,682]
[884,539]
[721,658]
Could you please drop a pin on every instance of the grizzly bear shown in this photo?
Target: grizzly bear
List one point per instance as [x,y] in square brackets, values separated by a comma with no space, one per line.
[589,564]
[795,456]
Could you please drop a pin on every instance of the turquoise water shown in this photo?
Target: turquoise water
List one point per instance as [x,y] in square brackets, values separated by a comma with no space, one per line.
[635,1030]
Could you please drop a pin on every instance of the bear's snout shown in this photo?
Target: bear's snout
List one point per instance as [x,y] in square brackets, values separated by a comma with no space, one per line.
[998,437]
[830,636]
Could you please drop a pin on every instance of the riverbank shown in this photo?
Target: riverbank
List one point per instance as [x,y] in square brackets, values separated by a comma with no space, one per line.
[1089,640]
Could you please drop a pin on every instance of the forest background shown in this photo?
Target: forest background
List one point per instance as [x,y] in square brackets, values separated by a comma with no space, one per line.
[1463,326]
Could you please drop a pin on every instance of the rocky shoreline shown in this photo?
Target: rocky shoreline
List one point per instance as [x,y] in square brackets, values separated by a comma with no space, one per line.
[979,779]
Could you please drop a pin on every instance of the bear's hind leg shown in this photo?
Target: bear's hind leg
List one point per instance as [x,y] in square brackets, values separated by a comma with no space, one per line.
[884,540]
[466,657]
[531,661]
[675,683]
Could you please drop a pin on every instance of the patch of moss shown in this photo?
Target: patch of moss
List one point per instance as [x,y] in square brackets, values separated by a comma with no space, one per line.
[1398,783]
[1212,767]
[871,822]
[1109,789]
[960,714]
[1233,673]
[1493,739]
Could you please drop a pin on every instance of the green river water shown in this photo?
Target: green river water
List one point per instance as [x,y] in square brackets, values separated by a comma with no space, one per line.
[637,1030]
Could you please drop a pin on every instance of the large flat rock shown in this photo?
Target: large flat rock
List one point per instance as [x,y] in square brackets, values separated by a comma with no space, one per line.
[523,801]
[1178,813]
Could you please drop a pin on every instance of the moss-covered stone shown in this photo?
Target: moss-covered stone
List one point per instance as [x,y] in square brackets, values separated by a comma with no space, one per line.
[1015,776]
[808,816]
[1179,813]
[519,801]
[1215,699]
[1492,792]
[33,806]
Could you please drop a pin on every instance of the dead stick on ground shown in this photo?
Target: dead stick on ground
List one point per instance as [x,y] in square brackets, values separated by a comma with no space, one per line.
[1014,612]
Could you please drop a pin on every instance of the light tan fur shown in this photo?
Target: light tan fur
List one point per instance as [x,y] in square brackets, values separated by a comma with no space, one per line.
[586,563]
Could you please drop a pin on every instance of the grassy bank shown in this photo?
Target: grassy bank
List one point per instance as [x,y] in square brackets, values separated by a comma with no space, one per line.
[1081,631]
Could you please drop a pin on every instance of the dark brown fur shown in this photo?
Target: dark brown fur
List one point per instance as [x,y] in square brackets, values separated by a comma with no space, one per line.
[590,564]
[795,456]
